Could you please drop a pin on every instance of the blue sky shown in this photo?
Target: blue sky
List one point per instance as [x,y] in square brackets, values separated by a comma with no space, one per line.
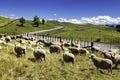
[55,9]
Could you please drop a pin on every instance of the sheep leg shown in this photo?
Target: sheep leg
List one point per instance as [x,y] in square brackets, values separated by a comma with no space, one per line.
[111,71]
[116,65]
[44,58]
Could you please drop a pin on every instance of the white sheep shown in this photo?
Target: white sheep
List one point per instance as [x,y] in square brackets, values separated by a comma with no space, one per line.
[74,50]
[101,62]
[68,57]
[55,48]
[114,51]
[107,55]
[39,54]
[95,48]
[19,50]
[83,51]
[7,39]
[115,59]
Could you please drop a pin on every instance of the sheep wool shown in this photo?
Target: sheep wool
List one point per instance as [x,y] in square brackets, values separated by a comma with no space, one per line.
[68,57]
[39,54]
[101,62]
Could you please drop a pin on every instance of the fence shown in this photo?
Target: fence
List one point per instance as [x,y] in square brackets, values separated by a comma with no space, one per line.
[82,43]
[102,46]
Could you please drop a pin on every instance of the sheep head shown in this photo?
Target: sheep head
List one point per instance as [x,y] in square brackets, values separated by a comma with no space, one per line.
[92,56]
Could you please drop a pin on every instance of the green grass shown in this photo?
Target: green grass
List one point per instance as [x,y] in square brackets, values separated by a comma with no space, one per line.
[13,68]
[14,27]
[87,32]
[4,21]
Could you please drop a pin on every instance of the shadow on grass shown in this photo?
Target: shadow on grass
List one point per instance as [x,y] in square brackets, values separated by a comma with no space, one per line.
[32,59]
[62,62]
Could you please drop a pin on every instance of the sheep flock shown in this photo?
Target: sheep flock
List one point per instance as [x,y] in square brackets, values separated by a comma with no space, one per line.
[41,48]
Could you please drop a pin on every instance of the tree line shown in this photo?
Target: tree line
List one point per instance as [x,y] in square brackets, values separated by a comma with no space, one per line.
[36,21]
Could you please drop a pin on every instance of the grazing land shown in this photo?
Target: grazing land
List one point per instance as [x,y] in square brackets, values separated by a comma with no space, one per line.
[85,32]
[88,32]
[54,68]
[26,68]
[4,21]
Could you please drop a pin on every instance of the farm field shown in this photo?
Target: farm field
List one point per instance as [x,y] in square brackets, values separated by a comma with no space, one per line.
[84,32]
[87,32]
[54,68]
[27,68]
[60,40]
[28,27]
[4,21]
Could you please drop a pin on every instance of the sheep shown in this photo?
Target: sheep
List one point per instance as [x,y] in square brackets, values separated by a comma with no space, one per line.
[68,57]
[12,37]
[65,44]
[115,59]
[95,48]
[73,50]
[7,39]
[39,54]
[83,51]
[107,55]
[19,36]
[101,62]
[55,48]
[46,43]
[56,43]
[19,50]
[75,45]
[1,35]
[114,51]
[20,41]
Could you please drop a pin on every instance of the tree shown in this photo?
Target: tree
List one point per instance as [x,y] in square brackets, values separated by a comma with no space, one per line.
[118,28]
[36,21]
[43,21]
[22,21]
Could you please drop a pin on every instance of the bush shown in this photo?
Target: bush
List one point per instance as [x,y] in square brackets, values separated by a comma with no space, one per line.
[118,28]
[98,40]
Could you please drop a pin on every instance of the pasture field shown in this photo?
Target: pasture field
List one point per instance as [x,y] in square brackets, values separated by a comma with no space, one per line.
[28,27]
[87,32]
[27,68]
[4,21]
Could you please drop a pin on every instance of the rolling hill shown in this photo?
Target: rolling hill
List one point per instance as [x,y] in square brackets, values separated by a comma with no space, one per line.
[86,32]
[4,21]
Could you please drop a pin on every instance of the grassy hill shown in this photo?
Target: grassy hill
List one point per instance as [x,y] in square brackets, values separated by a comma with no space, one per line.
[85,32]
[24,68]
[14,27]
[4,21]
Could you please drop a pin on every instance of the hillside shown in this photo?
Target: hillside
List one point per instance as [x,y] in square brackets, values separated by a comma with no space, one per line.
[14,27]
[4,21]
[85,32]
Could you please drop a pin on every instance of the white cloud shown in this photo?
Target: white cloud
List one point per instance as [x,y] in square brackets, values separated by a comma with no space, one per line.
[100,20]
[12,16]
